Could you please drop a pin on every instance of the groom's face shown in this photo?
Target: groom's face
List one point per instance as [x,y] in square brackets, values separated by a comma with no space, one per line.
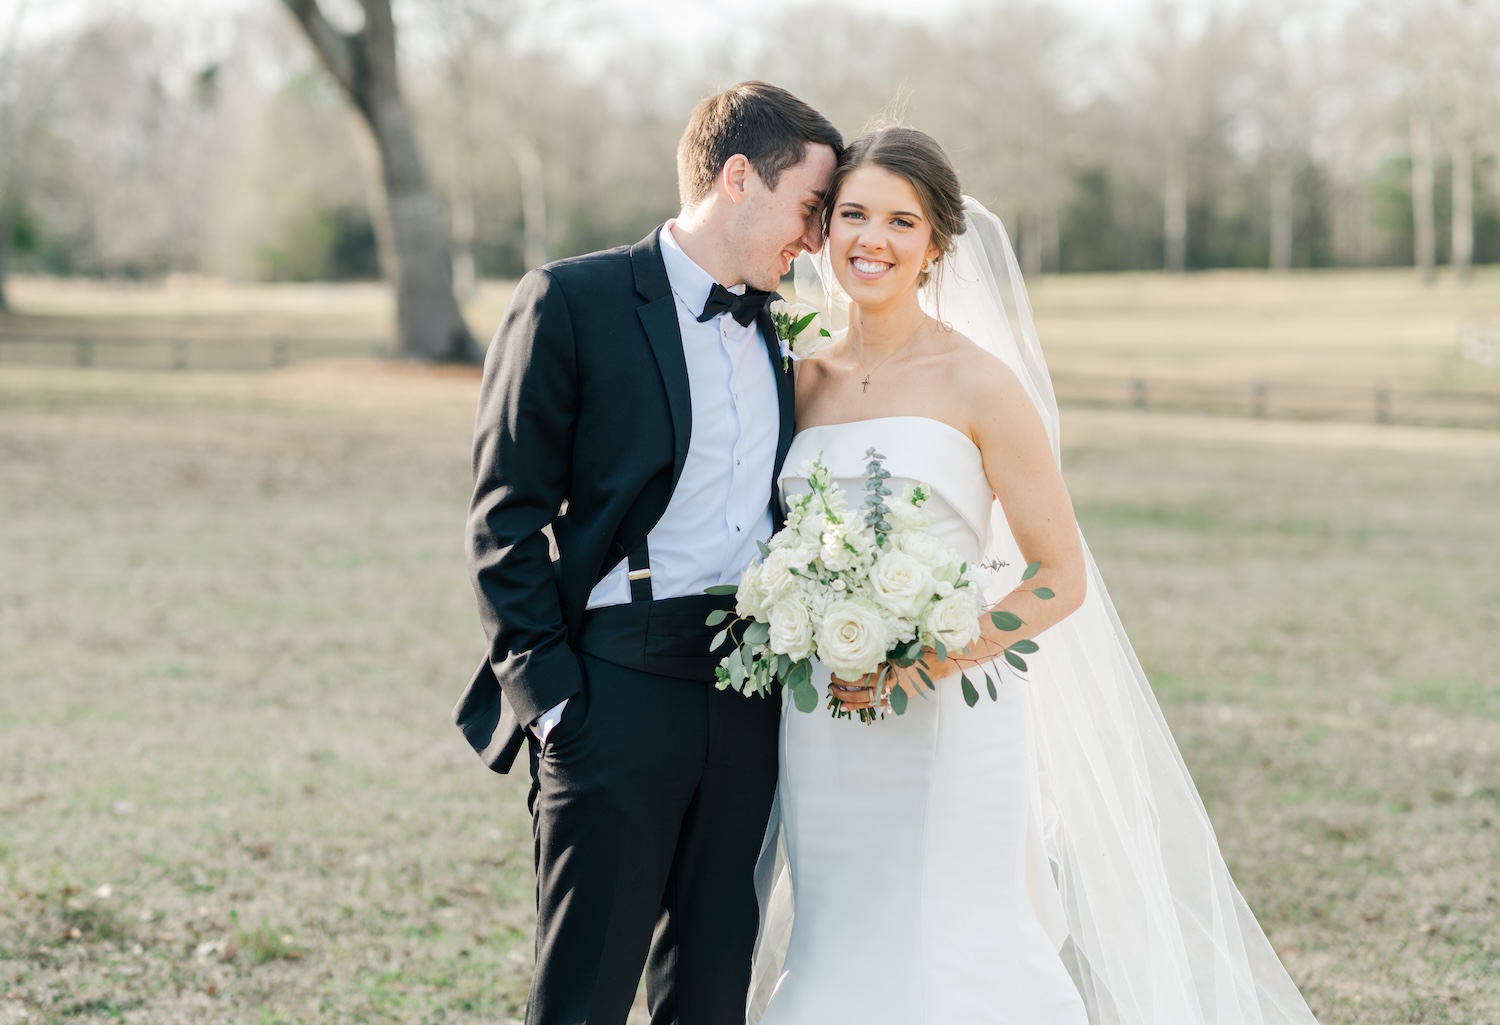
[776,225]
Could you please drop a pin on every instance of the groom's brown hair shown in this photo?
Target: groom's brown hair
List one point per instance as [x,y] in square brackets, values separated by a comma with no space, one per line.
[765,123]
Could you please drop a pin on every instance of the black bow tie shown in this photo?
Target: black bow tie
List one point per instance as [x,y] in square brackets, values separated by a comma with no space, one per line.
[743,308]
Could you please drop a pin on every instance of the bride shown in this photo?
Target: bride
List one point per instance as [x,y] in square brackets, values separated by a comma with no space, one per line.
[1039,859]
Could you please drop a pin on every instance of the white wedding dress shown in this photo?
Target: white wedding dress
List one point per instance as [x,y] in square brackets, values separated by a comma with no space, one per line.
[912,843]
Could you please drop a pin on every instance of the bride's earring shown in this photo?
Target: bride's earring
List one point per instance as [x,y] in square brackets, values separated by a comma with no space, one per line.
[926,264]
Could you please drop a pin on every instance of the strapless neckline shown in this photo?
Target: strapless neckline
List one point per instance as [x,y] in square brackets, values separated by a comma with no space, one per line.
[887,419]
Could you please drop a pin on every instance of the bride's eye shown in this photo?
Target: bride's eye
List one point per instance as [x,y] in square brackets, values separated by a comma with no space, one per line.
[901,222]
[852,215]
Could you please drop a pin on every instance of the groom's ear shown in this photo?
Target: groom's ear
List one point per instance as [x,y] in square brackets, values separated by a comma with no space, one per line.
[734,177]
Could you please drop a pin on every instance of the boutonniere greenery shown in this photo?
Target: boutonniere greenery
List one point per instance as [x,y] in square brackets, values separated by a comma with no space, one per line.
[799,330]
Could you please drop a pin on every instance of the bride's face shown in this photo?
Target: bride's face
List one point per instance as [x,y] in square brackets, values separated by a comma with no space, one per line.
[878,236]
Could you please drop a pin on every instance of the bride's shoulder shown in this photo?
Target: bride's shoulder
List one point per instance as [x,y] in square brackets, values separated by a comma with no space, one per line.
[977,369]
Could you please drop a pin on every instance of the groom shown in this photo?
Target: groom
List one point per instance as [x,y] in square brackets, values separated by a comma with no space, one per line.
[633,417]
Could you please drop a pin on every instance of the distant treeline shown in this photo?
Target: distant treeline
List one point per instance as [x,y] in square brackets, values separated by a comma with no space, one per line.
[1273,134]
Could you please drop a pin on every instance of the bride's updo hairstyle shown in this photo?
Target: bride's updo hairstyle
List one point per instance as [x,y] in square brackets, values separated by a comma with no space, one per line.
[915,156]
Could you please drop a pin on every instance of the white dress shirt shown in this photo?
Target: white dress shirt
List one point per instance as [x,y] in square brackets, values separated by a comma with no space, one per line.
[722,503]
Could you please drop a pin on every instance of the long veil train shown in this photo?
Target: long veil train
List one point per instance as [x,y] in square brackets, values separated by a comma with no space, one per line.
[1150,924]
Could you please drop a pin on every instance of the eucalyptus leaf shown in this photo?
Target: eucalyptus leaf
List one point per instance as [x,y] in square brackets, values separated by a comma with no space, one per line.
[1025,647]
[716,617]
[805,696]
[757,633]
[989,685]
[940,648]
[783,666]
[1031,571]
[718,639]
[1044,593]
[971,696]
[1017,662]
[898,700]
[1006,620]
[926,679]
[736,666]
[800,673]
[722,589]
[765,549]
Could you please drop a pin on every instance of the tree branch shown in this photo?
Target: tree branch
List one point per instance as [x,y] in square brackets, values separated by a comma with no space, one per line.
[336,49]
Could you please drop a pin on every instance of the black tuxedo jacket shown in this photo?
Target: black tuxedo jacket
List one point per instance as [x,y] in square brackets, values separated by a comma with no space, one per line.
[583,425]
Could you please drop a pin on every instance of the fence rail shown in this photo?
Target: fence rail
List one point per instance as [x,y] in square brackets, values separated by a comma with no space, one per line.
[180,353]
[1258,399]
[1283,400]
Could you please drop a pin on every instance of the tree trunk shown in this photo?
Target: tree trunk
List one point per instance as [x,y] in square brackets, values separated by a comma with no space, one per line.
[1174,199]
[1423,215]
[1463,208]
[1031,245]
[461,190]
[533,200]
[1281,213]
[4,254]
[429,322]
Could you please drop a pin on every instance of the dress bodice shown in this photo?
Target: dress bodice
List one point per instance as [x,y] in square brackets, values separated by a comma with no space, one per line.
[916,449]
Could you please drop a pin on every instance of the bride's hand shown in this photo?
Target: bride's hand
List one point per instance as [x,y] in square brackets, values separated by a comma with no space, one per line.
[861,695]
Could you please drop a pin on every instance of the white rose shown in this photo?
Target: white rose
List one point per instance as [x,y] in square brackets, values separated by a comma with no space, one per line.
[925,548]
[791,630]
[750,599]
[902,515]
[954,620]
[852,639]
[776,576]
[901,584]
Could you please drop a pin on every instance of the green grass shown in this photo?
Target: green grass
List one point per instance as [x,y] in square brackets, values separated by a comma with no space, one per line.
[234,616]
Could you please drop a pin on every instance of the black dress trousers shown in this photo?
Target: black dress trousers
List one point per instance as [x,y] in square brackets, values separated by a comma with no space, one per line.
[649,800]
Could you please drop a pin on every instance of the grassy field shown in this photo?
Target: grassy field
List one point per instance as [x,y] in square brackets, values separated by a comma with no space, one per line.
[233,618]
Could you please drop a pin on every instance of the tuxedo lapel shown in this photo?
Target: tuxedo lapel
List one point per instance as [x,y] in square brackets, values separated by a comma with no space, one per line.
[781,368]
[659,317]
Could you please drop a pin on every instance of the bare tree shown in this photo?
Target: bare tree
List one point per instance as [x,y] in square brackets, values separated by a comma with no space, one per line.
[364,63]
[1181,81]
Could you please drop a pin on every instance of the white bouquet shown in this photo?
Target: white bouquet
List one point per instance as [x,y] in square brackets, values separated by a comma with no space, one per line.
[861,589]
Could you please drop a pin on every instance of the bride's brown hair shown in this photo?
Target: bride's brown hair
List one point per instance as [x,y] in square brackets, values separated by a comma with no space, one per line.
[915,156]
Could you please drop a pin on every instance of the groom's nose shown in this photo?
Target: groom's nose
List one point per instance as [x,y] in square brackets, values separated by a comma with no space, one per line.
[812,238]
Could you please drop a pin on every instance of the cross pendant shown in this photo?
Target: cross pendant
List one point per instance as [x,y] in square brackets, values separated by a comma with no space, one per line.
[865,384]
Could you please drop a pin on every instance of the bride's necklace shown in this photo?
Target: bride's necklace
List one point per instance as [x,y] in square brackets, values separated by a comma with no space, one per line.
[864,386]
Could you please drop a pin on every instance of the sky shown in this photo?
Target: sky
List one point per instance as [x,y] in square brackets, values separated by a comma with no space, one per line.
[688,20]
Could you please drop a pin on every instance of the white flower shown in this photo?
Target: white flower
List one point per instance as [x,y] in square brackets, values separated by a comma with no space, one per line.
[750,599]
[901,584]
[809,336]
[904,515]
[835,554]
[852,638]
[925,548]
[953,620]
[776,576]
[791,629]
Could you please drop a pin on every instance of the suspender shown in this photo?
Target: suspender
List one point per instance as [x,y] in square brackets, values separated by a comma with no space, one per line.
[640,573]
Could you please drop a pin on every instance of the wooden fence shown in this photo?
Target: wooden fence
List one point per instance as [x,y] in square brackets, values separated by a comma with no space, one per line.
[181,353]
[1263,399]
[1283,400]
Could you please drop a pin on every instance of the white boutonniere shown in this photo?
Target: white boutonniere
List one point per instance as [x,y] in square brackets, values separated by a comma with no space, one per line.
[799,330]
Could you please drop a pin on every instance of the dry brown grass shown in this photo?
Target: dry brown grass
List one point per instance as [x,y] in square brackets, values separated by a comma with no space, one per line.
[233,617]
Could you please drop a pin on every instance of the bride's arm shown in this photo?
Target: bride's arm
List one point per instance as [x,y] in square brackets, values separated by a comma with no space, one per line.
[1025,477]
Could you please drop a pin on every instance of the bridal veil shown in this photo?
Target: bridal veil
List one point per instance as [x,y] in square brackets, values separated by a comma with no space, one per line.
[1133,887]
